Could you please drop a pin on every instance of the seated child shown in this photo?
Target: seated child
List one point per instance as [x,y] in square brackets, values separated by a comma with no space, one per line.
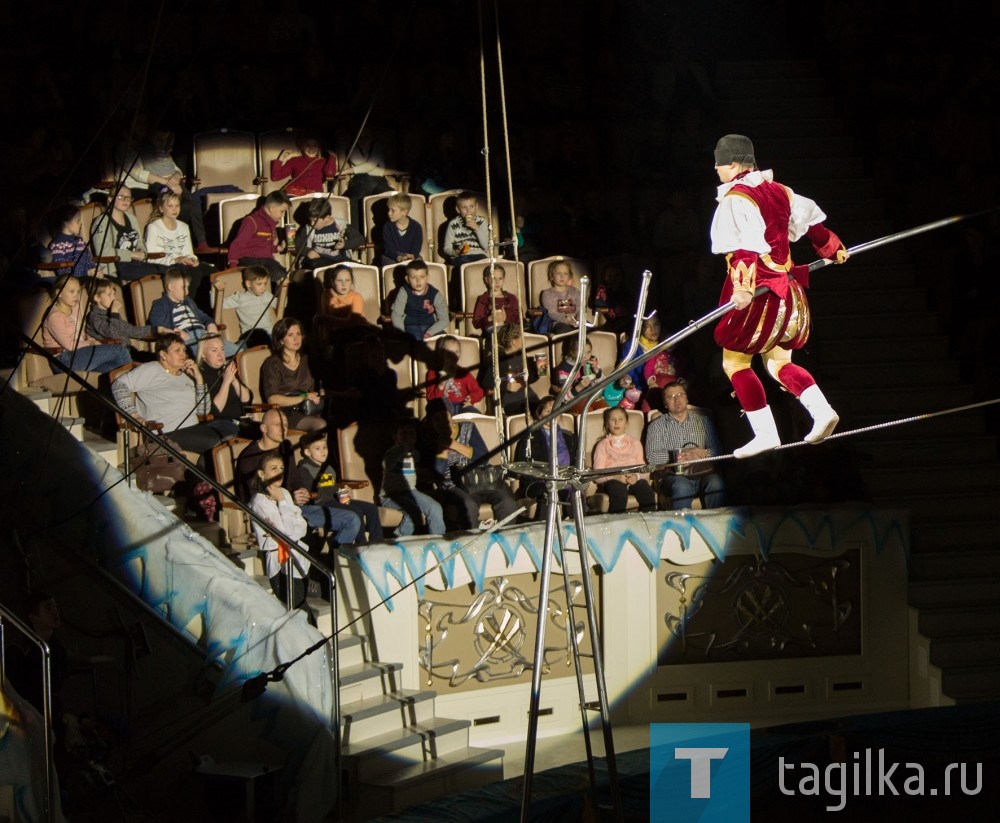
[273,504]
[619,448]
[507,308]
[419,309]
[105,321]
[451,381]
[623,393]
[63,329]
[402,238]
[168,235]
[590,369]
[68,245]
[309,170]
[344,306]
[399,484]
[255,307]
[257,237]
[613,300]
[539,446]
[317,475]
[512,372]
[561,301]
[177,312]
[658,372]
[466,236]
[325,240]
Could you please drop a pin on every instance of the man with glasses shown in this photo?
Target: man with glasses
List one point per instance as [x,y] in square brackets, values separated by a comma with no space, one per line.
[679,436]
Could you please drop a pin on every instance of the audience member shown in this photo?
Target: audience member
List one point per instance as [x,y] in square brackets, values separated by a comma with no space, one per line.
[308,171]
[273,440]
[613,299]
[176,311]
[419,310]
[402,238]
[227,392]
[446,452]
[466,237]
[516,372]
[345,307]
[449,380]
[171,237]
[561,301]
[590,369]
[105,321]
[316,474]
[67,243]
[169,390]
[255,307]
[325,239]
[537,448]
[116,233]
[274,504]
[495,307]
[399,484]
[619,448]
[257,239]
[679,436]
[63,328]
[366,167]
[287,381]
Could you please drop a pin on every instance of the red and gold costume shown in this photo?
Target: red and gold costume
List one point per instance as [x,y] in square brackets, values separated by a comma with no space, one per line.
[754,225]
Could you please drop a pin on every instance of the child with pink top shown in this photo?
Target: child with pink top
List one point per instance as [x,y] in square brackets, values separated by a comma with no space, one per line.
[63,328]
[619,448]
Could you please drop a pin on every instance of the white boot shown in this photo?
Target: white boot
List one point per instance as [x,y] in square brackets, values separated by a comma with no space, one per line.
[765,434]
[825,419]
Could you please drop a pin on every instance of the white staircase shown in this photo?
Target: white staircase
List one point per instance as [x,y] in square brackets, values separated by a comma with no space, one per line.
[396,753]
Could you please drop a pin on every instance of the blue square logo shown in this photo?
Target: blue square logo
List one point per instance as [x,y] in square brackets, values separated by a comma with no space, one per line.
[699,772]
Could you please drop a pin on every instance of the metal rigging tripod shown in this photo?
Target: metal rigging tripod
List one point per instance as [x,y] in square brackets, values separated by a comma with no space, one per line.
[575,478]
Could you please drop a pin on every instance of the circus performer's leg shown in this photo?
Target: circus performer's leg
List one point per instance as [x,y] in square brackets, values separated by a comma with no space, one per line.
[802,384]
[750,393]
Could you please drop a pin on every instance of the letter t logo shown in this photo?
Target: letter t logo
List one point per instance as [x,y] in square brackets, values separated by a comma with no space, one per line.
[701,768]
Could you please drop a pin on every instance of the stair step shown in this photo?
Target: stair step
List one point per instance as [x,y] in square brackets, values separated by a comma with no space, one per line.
[458,771]
[384,712]
[364,680]
[964,683]
[982,590]
[402,747]
[950,621]
[74,425]
[101,446]
[972,650]
[943,564]
[351,650]
[978,477]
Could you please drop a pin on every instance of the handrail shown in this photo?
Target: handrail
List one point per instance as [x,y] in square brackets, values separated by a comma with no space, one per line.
[164,444]
[34,637]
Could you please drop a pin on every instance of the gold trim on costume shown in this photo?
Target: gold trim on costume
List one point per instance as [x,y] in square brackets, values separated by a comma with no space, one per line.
[744,276]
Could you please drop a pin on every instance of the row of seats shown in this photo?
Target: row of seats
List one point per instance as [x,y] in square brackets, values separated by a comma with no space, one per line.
[360,450]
